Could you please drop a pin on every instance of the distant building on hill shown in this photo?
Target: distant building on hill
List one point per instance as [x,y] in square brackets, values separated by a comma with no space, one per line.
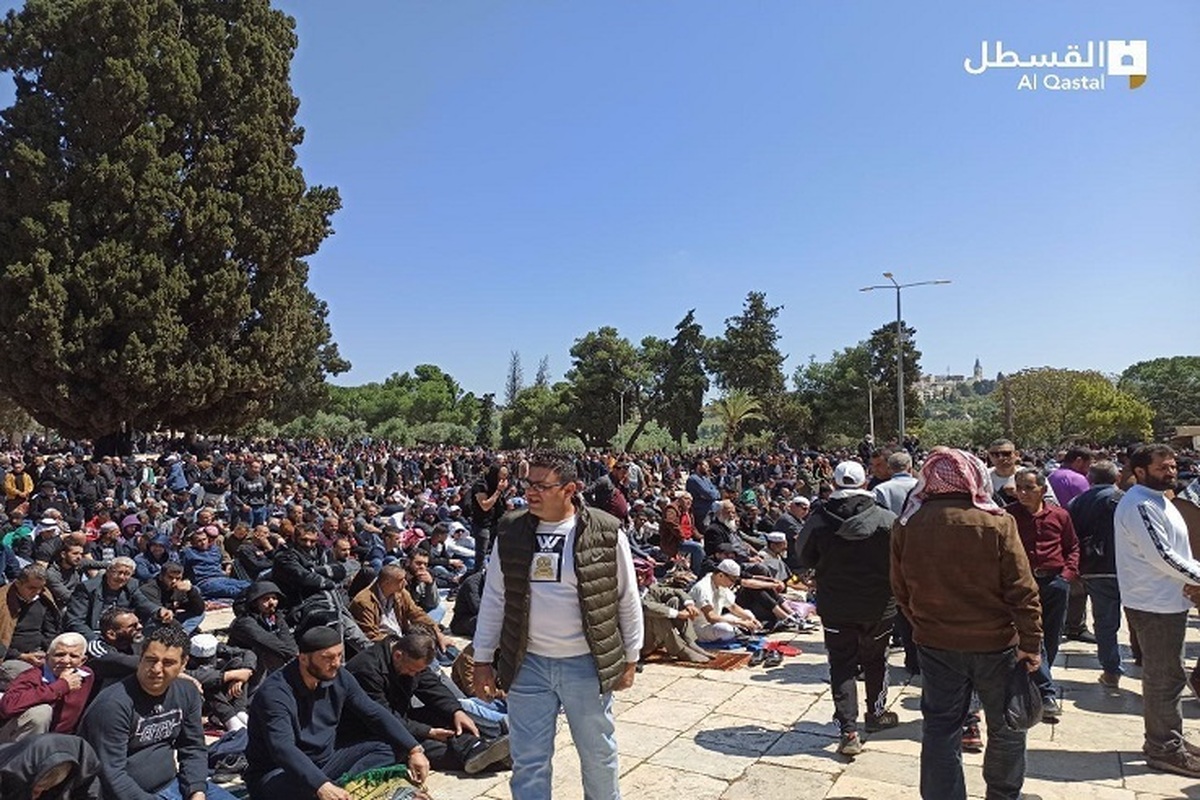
[940,387]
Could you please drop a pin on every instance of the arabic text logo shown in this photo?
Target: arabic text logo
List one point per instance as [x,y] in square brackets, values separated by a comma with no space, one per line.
[1115,57]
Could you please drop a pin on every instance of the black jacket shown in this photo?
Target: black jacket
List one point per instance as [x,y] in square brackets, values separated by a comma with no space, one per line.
[848,545]
[302,574]
[272,643]
[373,670]
[1092,515]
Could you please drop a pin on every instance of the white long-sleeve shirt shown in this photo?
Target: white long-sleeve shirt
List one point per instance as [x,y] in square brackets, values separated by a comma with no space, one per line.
[1154,557]
[555,616]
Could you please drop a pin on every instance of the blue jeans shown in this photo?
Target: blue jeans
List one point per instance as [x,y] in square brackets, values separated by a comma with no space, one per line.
[211,792]
[1106,611]
[255,516]
[1054,593]
[541,685]
[947,679]
[228,588]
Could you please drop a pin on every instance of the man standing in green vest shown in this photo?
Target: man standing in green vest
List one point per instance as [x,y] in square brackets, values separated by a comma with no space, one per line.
[560,624]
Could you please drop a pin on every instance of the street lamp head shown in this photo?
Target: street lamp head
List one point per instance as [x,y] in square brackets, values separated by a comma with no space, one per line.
[887,275]
[943,280]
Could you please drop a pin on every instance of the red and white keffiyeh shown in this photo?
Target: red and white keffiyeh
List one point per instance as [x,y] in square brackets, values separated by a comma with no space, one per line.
[952,472]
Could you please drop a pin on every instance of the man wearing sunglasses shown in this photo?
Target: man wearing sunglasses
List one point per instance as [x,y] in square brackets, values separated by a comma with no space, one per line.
[560,624]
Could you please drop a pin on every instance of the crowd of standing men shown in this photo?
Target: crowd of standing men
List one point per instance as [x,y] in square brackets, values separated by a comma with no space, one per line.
[566,571]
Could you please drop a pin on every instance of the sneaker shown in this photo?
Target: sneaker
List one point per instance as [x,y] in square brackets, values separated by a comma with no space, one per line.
[757,657]
[1051,709]
[881,721]
[772,659]
[1084,636]
[484,754]
[850,744]
[972,740]
[1110,680]
[1181,763]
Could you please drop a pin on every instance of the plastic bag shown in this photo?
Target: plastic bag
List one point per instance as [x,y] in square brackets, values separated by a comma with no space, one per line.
[1022,699]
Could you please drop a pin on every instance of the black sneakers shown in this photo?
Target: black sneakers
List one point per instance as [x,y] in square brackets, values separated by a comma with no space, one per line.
[484,754]
[1180,762]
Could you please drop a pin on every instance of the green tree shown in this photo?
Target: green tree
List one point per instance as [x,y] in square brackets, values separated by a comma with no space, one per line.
[153,220]
[684,381]
[671,382]
[542,378]
[1170,386]
[485,434]
[535,417]
[835,394]
[1056,406]
[882,347]
[514,381]
[602,385]
[747,357]
[734,410]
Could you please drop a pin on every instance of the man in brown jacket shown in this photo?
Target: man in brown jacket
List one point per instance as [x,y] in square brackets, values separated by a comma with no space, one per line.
[385,608]
[960,574]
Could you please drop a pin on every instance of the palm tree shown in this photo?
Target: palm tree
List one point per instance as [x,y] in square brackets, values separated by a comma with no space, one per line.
[735,409]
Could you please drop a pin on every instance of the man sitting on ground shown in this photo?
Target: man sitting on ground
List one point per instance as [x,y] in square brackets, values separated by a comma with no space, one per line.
[28,621]
[147,729]
[721,618]
[294,720]
[115,587]
[394,672]
[51,698]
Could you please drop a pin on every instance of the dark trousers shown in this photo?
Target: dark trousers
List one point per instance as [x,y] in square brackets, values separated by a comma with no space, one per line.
[1076,622]
[850,646]
[1163,678]
[947,679]
[1054,592]
[904,630]
[350,759]
[483,546]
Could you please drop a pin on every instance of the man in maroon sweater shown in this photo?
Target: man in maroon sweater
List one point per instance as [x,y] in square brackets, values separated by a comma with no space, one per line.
[50,699]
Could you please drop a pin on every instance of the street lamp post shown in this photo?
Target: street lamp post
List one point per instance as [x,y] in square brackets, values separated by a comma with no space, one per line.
[900,340]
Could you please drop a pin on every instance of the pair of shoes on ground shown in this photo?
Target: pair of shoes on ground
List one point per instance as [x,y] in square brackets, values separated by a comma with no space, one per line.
[972,739]
[850,744]
[484,754]
[765,657]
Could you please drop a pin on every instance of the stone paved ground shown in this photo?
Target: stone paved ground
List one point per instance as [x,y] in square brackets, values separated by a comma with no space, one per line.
[687,734]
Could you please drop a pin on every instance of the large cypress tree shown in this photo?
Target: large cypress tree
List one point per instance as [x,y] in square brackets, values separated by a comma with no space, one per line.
[153,220]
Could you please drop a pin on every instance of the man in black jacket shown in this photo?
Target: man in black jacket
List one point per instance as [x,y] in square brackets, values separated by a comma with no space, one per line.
[848,545]
[263,630]
[115,587]
[171,591]
[394,672]
[1092,514]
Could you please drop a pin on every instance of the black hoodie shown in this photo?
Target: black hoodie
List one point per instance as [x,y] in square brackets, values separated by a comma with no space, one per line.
[848,545]
[21,764]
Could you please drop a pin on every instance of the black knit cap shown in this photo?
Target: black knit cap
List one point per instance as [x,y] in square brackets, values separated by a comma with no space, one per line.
[318,637]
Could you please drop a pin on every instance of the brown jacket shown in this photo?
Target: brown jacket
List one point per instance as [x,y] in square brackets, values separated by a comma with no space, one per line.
[367,611]
[962,578]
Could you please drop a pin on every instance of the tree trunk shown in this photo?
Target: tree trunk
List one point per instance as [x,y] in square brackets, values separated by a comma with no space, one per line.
[633,437]
[118,443]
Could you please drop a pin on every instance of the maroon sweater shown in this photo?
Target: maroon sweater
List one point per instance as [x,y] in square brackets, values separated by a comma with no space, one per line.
[30,689]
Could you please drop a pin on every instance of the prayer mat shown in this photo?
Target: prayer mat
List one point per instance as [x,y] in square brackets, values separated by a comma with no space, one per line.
[722,660]
[383,783]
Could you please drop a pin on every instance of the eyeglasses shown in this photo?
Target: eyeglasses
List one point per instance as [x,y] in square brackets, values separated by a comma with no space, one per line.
[545,487]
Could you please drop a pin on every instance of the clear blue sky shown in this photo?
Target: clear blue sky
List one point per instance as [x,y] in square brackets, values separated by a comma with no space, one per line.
[515,174]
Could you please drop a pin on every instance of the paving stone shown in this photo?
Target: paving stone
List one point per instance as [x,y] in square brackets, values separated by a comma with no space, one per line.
[767,704]
[659,712]
[768,780]
[650,780]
